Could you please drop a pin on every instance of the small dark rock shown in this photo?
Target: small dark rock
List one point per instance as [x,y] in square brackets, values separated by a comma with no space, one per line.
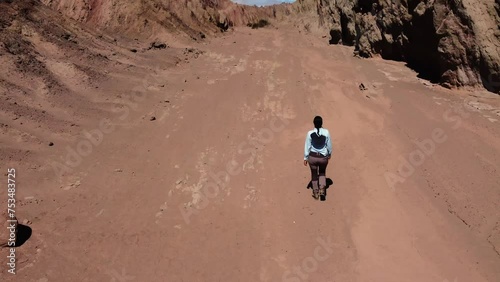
[157,45]
[133,50]
[152,118]
[51,144]
[66,36]
[362,87]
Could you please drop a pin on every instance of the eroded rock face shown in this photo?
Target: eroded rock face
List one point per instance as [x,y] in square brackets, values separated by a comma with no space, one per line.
[454,42]
[149,18]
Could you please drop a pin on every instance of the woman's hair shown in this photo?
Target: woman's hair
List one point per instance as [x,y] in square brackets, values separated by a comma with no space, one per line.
[318,122]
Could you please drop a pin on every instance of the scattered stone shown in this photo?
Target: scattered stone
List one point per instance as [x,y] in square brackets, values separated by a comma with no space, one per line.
[362,87]
[76,184]
[51,144]
[152,118]
[133,50]
[66,36]
[118,170]
[157,45]
[164,207]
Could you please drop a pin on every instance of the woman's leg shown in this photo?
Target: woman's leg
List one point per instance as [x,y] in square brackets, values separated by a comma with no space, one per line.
[323,163]
[314,175]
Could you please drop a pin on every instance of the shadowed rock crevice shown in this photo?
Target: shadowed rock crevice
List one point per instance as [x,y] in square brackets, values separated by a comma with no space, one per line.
[422,55]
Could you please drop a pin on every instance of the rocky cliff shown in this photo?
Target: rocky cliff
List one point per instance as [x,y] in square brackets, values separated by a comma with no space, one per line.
[453,42]
[148,18]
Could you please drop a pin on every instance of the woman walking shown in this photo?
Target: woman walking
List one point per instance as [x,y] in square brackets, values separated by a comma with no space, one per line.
[317,152]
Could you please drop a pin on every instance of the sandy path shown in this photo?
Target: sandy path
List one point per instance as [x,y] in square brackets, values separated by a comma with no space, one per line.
[237,116]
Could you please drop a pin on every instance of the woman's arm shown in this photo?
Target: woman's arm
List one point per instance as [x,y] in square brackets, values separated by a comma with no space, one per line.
[307,147]
[329,144]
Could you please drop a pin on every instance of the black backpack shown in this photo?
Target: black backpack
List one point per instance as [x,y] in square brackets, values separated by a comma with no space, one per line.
[318,141]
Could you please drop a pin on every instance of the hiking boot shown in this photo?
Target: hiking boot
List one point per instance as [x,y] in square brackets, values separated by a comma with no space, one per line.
[315,195]
[322,192]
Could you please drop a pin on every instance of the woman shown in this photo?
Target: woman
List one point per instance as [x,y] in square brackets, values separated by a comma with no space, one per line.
[317,152]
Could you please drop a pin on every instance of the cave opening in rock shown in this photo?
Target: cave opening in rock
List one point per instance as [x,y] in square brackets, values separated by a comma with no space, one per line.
[421,51]
[347,38]
[364,6]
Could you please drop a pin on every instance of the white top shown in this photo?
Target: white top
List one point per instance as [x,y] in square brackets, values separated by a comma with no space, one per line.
[326,150]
